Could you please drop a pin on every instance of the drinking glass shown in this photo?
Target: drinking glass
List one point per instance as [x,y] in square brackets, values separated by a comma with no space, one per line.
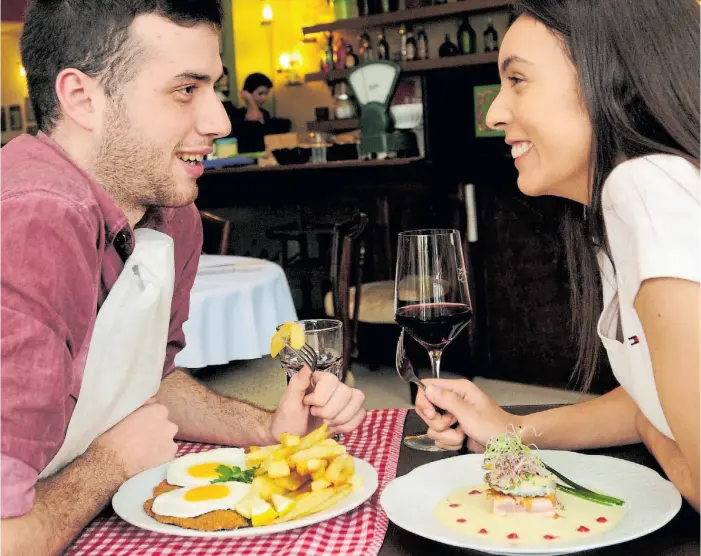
[325,337]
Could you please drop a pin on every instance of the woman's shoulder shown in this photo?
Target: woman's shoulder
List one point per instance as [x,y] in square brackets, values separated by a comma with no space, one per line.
[651,178]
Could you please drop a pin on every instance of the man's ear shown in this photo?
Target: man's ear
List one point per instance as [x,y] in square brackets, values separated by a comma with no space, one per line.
[81,97]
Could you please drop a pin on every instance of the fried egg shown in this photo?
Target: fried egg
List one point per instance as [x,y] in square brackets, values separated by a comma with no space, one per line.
[200,469]
[199,500]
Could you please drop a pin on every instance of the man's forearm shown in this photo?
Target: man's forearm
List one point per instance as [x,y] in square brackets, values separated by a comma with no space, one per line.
[608,420]
[205,416]
[64,505]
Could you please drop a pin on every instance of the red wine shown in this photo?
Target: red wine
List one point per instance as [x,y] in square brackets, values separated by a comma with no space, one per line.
[434,325]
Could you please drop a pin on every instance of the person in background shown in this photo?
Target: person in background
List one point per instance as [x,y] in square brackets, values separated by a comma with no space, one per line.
[594,115]
[251,122]
[100,248]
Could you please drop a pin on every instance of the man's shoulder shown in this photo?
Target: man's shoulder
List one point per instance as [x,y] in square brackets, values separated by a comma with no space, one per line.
[32,169]
[184,225]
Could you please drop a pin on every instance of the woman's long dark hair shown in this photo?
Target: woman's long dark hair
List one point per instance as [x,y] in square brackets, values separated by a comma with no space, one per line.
[638,68]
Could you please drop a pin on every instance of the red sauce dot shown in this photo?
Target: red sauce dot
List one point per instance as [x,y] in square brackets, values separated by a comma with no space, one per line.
[482,531]
[601,520]
[583,529]
[454,506]
[461,520]
[549,537]
[512,536]
[476,492]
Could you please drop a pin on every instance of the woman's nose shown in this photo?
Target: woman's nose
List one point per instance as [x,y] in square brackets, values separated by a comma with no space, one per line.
[498,114]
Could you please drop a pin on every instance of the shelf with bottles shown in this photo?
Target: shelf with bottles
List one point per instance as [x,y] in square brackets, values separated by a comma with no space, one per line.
[417,66]
[425,13]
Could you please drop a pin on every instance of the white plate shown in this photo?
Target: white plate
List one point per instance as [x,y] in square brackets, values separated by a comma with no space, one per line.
[129,500]
[651,501]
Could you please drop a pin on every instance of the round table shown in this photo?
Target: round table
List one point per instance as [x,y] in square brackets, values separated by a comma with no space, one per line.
[235,305]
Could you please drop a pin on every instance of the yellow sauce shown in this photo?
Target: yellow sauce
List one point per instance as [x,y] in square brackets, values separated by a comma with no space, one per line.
[471,515]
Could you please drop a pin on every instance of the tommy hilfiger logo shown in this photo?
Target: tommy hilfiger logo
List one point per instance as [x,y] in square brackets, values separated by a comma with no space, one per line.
[634,340]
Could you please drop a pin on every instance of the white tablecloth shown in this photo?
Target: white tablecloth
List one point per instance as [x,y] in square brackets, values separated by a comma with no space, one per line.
[235,305]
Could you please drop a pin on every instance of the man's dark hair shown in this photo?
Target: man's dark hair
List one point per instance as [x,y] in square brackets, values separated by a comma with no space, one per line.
[256,80]
[92,36]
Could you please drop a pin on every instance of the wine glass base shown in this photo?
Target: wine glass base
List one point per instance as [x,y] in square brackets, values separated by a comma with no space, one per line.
[422,443]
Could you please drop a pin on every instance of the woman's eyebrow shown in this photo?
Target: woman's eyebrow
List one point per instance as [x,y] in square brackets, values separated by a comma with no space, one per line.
[508,61]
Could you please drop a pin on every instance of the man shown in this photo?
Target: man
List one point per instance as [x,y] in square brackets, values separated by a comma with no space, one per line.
[100,247]
[251,123]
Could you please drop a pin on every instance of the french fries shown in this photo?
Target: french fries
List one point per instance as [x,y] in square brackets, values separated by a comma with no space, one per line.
[314,472]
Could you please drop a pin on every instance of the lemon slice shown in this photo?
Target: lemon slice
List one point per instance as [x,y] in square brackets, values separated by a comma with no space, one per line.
[282,504]
[262,513]
[291,333]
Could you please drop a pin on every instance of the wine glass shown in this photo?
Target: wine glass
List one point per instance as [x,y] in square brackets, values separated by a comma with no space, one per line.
[431,297]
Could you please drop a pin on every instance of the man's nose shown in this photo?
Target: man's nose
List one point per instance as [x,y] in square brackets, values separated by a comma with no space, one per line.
[213,120]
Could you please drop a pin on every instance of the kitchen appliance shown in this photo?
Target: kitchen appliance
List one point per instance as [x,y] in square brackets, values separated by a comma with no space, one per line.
[373,84]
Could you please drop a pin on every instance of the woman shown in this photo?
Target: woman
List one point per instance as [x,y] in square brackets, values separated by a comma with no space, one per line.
[600,103]
[251,122]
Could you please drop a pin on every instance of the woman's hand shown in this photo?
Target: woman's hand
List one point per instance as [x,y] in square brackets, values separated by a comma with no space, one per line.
[479,416]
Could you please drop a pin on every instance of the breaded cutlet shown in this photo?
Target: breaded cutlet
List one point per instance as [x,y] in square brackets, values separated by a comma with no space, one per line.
[216,520]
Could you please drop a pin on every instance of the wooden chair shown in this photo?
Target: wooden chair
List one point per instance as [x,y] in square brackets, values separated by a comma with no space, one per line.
[217,234]
[374,325]
[347,259]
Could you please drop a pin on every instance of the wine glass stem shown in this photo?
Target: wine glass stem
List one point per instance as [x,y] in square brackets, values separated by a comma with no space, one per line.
[435,356]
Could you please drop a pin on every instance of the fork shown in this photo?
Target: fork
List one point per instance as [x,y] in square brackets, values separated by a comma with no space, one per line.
[308,355]
[405,369]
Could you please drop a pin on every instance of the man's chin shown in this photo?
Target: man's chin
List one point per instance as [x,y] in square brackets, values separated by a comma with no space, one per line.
[184,194]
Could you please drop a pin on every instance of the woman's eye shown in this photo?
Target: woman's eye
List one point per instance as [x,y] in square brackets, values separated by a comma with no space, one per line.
[515,80]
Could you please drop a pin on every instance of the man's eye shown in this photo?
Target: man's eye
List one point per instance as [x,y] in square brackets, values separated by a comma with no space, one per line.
[188,90]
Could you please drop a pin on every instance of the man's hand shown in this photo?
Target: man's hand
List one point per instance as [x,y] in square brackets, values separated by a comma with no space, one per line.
[142,440]
[304,406]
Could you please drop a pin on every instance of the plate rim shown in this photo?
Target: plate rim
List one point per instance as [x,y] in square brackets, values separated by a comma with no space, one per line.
[366,491]
[532,549]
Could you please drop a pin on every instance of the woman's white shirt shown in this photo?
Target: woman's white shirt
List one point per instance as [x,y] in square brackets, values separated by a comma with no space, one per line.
[652,214]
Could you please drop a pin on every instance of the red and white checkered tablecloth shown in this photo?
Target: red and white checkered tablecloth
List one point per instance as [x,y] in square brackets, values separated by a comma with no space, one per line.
[360,532]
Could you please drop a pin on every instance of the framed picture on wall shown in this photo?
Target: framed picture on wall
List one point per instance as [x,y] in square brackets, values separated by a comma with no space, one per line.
[29,111]
[4,120]
[484,95]
[15,117]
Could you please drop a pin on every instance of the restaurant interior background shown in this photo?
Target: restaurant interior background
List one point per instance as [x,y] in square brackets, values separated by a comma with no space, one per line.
[463,176]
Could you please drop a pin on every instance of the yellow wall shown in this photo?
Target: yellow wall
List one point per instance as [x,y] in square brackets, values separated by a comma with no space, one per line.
[14,86]
[258,47]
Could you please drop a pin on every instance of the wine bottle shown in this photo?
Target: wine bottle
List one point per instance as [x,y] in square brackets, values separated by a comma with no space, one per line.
[382,47]
[421,45]
[491,39]
[410,45]
[466,37]
[328,62]
[402,43]
[447,48]
[351,58]
[366,51]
